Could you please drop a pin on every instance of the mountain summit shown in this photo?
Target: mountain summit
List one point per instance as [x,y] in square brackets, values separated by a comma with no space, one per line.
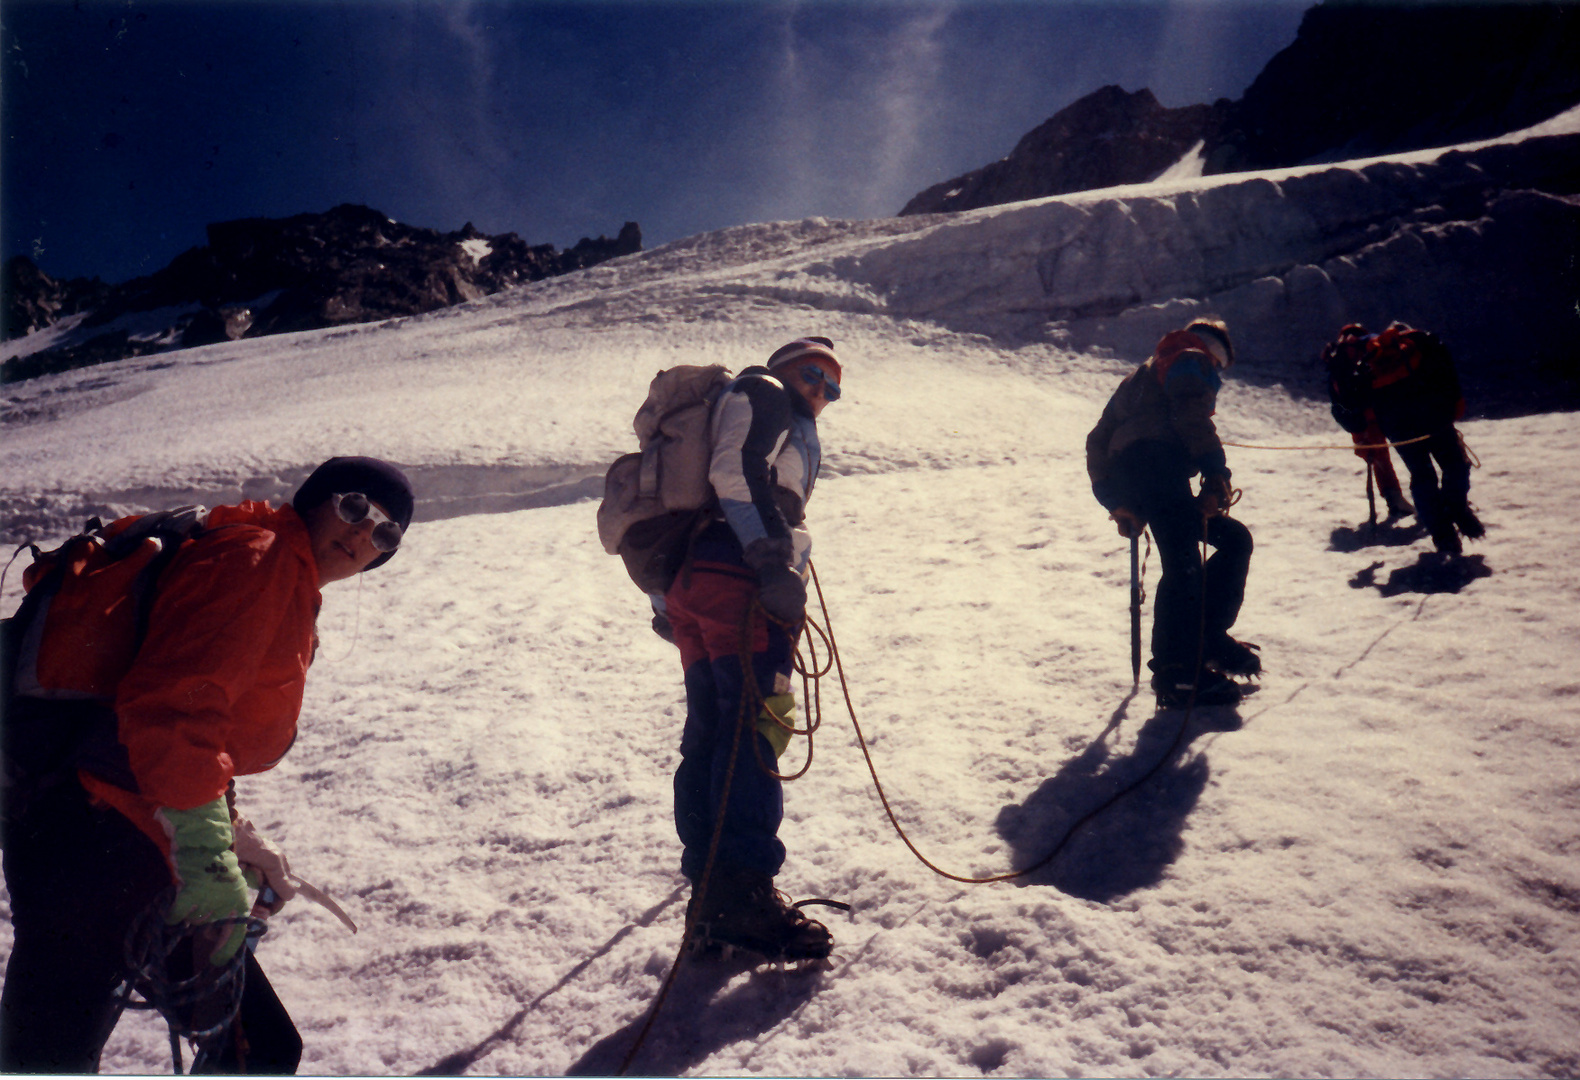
[1360,79]
[1108,137]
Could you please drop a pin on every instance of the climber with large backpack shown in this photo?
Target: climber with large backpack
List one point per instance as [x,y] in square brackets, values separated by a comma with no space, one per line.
[1416,397]
[725,567]
[151,662]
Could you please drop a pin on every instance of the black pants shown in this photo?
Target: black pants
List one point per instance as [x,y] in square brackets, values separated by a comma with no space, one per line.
[1185,623]
[1436,502]
[79,876]
[262,1040]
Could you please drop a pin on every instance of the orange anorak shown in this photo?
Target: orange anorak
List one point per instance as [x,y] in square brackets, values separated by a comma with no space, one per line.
[216,688]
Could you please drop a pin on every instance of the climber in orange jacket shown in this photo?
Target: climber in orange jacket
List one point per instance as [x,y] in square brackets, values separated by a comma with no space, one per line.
[138,807]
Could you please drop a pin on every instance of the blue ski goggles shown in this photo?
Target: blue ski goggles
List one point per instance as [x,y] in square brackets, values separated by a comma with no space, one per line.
[354,508]
[814,375]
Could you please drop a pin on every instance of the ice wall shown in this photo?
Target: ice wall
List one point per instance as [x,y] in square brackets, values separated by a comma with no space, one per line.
[1478,245]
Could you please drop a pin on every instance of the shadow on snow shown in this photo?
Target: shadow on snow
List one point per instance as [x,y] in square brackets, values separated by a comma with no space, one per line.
[1382,534]
[695,1024]
[456,1063]
[1113,823]
[1433,572]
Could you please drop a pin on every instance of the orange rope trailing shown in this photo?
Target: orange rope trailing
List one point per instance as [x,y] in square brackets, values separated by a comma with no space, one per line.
[811,688]
[889,810]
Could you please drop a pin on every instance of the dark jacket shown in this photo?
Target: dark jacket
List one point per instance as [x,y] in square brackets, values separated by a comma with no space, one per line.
[1170,400]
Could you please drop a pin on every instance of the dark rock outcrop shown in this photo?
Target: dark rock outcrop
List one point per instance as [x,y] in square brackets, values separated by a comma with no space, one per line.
[1365,78]
[34,300]
[260,276]
[1362,78]
[1106,138]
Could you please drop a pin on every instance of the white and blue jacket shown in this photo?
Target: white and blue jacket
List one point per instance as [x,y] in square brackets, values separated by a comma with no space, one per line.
[766,457]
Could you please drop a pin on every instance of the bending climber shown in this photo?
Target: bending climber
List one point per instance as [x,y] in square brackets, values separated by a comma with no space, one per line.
[1155,434]
[1349,392]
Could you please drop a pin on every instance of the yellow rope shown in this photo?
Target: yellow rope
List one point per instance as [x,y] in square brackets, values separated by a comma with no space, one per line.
[1354,446]
[1470,455]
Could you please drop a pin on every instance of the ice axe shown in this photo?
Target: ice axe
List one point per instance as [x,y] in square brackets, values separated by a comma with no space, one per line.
[1371,496]
[1135,609]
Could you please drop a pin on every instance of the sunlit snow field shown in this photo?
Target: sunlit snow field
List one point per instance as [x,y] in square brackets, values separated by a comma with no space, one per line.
[1369,868]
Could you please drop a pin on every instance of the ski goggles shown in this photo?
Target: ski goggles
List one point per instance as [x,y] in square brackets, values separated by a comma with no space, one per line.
[815,375]
[354,508]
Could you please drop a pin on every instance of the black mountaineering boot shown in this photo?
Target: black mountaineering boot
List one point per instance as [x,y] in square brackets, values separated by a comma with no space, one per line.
[1398,505]
[1234,657]
[1445,538]
[1175,688]
[1469,525]
[742,909]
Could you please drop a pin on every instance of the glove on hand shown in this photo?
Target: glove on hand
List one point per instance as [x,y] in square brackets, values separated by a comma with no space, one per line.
[1216,494]
[260,858]
[1130,524]
[778,711]
[662,628]
[780,590]
[210,885]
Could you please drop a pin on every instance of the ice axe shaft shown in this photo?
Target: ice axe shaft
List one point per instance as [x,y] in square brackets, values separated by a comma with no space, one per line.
[1371,495]
[1135,609]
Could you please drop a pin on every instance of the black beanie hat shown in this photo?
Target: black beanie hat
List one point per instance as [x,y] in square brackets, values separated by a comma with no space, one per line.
[378,480]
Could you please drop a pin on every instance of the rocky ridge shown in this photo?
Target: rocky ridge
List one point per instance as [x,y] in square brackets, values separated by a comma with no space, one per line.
[260,276]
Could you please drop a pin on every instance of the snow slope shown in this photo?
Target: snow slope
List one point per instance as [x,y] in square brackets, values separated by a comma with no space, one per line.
[1368,869]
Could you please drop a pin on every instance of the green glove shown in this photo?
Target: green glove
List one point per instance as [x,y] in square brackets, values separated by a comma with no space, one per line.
[211,885]
[781,706]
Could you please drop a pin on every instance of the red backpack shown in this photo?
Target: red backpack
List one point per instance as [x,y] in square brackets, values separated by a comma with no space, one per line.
[72,640]
[87,605]
[1396,354]
[1415,364]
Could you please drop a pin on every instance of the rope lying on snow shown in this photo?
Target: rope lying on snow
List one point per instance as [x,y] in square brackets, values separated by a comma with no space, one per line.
[752,699]
[1075,827]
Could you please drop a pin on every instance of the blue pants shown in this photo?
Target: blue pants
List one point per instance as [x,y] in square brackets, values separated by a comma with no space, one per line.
[707,608]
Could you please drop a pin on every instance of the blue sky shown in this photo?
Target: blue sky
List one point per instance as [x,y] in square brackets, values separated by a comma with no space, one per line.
[128,125]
